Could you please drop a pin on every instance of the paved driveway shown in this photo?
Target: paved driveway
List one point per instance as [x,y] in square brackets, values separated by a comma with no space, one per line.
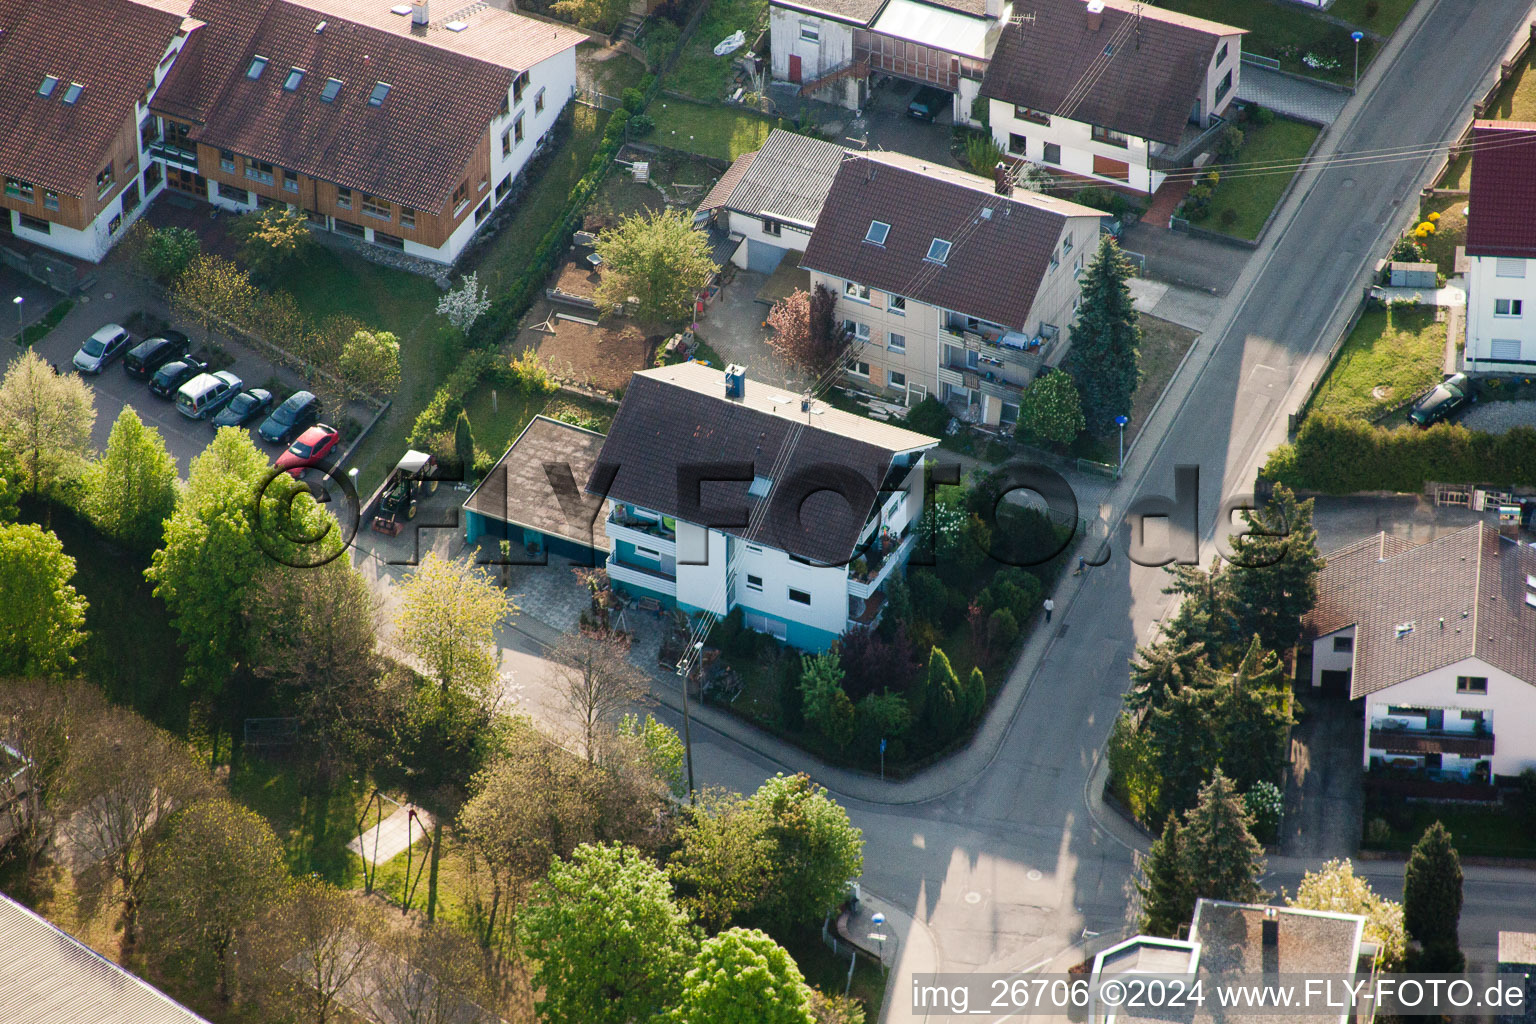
[1305,101]
[1322,791]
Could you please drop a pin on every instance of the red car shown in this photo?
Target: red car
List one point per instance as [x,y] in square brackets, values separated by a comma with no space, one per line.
[310,449]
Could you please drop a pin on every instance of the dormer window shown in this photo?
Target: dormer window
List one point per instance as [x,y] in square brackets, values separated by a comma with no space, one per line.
[72,94]
[938,251]
[50,82]
[332,88]
[878,229]
[376,97]
[258,65]
[295,76]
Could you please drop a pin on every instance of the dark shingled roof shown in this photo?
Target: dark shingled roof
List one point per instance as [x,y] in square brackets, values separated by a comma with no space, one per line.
[110,47]
[1501,217]
[1473,579]
[1145,88]
[859,12]
[996,260]
[519,490]
[789,176]
[411,149]
[678,416]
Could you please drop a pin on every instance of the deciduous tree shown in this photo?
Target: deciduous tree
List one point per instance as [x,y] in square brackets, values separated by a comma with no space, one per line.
[662,747]
[817,852]
[326,941]
[1106,339]
[1335,887]
[370,362]
[273,240]
[604,15]
[449,611]
[44,620]
[658,259]
[743,975]
[724,864]
[610,944]
[213,291]
[45,422]
[164,252]
[591,672]
[131,490]
[1051,409]
[806,331]
[465,304]
[218,870]
[432,974]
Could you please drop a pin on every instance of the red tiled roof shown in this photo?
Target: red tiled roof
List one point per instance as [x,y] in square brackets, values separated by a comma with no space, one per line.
[1501,216]
[1144,87]
[1001,246]
[110,47]
[411,149]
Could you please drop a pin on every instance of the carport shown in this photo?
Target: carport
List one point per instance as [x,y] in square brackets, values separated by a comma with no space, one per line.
[534,496]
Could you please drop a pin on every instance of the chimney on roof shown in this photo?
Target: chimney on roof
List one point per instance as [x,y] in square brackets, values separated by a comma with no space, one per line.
[419,15]
[735,381]
[319,28]
[994,10]
[1095,15]
[1269,928]
[1002,179]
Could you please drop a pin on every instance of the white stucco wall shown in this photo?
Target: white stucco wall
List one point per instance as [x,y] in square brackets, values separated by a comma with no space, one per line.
[827,586]
[1484,288]
[835,46]
[1510,702]
[750,228]
[1077,146]
[1326,659]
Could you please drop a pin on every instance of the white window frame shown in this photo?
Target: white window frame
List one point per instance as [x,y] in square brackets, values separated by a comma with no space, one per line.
[810,32]
[895,379]
[896,305]
[877,227]
[855,291]
[943,253]
[895,342]
[854,368]
[1513,308]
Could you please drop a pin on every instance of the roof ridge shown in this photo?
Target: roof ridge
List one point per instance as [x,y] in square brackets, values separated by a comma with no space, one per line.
[1477,588]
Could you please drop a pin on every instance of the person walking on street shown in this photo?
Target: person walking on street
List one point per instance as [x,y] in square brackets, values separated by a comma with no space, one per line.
[1082,564]
[1050,606]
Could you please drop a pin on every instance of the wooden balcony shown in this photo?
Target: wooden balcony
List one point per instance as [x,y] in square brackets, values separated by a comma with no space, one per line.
[1423,741]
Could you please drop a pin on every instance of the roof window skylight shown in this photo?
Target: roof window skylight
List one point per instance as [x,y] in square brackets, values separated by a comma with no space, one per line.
[72,94]
[761,485]
[376,97]
[878,229]
[295,76]
[938,251]
[332,87]
[50,82]
[258,65]
[401,9]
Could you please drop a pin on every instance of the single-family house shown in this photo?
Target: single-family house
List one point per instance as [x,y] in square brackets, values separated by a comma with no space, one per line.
[769,199]
[1249,941]
[51,977]
[1439,641]
[1112,89]
[947,287]
[1501,249]
[77,78]
[731,493]
[833,48]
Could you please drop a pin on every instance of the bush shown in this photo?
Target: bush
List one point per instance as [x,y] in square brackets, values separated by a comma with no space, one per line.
[659,41]
[982,153]
[1256,114]
[1377,831]
[1266,804]
[1002,631]
[1197,205]
[642,124]
[1336,455]
[1230,144]
[1228,217]
[634,100]
[928,417]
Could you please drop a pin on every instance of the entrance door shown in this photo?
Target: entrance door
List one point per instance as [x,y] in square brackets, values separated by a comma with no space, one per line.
[794,67]
[186,181]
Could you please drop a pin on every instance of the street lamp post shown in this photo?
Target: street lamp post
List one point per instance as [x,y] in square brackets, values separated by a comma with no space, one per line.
[1121,421]
[686,670]
[20,326]
[1357,36]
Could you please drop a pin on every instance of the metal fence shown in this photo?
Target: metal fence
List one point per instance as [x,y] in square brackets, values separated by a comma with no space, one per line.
[599,100]
[1261,62]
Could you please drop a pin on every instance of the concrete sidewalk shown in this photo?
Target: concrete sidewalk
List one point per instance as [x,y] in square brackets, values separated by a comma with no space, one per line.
[389,839]
[908,948]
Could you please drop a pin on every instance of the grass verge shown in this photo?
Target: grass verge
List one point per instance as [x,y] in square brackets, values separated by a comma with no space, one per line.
[1281,145]
[1163,344]
[1476,831]
[1290,33]
[1398,351]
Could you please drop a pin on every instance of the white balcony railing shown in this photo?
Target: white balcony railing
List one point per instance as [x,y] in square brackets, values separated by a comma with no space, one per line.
[895,559]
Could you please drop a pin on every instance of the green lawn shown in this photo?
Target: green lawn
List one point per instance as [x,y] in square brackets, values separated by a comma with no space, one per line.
[828,971]
[313,819]
[1388,14]
[1516,101]
[1279,147]
[724,132]
[698,72]
[1289,32]
[1476,831]
[1400,350]
[1450,230]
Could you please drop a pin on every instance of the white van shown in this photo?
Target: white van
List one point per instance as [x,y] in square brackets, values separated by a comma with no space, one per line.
[207,393]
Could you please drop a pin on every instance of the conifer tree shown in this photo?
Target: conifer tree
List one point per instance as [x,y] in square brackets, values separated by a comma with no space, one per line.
[1273,580]
[1221,858]
[1167,901]
[1106,339]
[1432,891]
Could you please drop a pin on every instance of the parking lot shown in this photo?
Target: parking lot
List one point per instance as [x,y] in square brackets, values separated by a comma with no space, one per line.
[115,297]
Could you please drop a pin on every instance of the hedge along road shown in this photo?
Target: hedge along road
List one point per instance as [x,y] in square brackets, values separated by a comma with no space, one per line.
[997,849]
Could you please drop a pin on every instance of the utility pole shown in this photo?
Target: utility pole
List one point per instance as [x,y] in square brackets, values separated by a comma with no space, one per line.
[683,670]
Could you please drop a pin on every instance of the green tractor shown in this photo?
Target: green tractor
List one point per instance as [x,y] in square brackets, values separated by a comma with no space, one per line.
[411,478]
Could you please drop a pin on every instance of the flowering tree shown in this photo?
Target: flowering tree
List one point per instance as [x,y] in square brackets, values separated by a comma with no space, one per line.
[465,305]
[806,333]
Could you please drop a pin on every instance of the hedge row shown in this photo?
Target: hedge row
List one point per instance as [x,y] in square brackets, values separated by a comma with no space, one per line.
[36,332]
[1336,455]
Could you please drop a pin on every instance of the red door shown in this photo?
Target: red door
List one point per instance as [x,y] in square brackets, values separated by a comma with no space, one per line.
[794,68]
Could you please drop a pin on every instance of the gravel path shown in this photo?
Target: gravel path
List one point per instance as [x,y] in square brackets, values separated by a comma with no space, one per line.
[1497,417]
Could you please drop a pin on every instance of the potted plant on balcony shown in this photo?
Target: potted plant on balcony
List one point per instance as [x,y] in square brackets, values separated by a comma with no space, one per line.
[860,569]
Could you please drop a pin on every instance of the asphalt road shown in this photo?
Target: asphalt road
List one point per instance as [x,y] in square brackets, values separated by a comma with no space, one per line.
[1008,867]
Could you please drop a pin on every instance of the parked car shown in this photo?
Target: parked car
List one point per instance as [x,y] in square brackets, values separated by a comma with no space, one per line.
[928,103]
[101,348]
[170,377]
[311,449]
[145,358]
[207,393]
[243,408]
[1446,397]
[302,409]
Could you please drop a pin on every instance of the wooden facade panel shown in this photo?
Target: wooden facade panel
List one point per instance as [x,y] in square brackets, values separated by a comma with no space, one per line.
[77,211]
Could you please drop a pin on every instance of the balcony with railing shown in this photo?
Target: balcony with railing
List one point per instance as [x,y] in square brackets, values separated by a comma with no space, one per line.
[1192,142]
[1410,742]
[621,570]
[873,564]
[173,155]
[652,531]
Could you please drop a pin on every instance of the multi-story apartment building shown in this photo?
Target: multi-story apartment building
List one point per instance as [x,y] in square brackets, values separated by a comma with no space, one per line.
[1501,249]
[78,77]
[378,122]
[1439,642]
[693,453]
[1111,89]
[948,288]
